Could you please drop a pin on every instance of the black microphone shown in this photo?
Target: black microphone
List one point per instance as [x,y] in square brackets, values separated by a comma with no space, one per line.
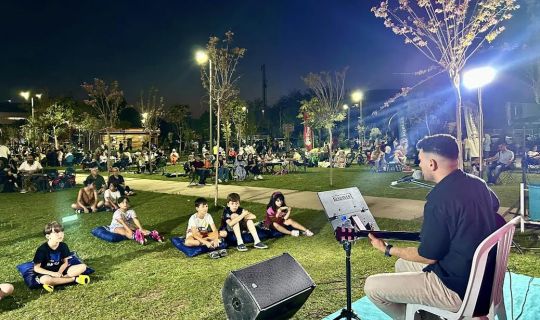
[416,175]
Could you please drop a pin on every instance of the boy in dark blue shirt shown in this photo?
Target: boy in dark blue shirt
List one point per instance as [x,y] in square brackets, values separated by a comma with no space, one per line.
[51,261]
[237,219]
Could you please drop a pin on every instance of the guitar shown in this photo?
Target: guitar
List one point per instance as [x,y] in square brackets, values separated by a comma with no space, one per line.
[350,234]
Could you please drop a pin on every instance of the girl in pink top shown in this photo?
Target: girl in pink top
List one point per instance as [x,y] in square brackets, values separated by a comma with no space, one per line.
[277,217]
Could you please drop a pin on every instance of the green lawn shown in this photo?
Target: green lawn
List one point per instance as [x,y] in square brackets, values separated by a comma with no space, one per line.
[369,183]
[132,281]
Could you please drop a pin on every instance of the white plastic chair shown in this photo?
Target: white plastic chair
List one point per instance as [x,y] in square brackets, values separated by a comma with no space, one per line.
[503,239]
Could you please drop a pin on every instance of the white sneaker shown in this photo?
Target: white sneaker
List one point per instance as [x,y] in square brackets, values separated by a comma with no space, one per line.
[23,191]
[255,178]
[308,233]
[219,180]
[295,233]
[260,177]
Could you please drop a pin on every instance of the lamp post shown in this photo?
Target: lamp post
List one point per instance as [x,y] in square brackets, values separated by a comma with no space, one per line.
[202,57]
[346,108]
[28,95]
[356,97]
[476,79]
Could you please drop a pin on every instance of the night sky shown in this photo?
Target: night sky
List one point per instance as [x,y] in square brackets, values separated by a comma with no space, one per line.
[57,45]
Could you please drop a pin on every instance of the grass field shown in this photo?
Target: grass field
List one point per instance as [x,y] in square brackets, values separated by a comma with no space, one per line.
[133,282]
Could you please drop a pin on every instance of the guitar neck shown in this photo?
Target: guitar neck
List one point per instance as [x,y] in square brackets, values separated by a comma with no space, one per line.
[391,235]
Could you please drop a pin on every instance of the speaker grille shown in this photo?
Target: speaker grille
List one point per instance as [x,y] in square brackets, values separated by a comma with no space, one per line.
[265,280]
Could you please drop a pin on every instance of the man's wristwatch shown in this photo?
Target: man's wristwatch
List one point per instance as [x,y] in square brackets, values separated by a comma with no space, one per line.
[387,250]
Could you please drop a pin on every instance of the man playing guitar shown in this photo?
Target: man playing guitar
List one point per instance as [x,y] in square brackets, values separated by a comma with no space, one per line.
[460,212]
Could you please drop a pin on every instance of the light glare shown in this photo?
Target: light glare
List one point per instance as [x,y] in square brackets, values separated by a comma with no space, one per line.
[479,77]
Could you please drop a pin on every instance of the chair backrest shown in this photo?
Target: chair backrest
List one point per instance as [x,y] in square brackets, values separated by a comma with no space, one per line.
[503,239]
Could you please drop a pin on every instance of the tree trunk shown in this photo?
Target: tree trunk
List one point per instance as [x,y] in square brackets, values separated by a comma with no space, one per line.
[330,158]
[180,141]
[109,145]
[55,138]
[456,83]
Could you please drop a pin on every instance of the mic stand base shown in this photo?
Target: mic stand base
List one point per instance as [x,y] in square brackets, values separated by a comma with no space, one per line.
[348,312]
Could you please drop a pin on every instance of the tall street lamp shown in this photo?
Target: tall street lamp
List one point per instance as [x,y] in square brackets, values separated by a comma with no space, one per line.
[356,97]
[202,57]
[346,108]
[476,79]
[28,95]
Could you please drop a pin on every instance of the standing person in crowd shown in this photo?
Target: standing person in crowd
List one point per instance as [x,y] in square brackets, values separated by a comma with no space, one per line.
[59,157]
[460,212]
[487,145]
[500,162]
[278,217]
[174,157]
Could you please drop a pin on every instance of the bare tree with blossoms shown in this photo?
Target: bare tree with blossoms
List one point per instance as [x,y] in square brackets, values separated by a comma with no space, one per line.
[328,108]
[108,101]
[446,32]
[224,58]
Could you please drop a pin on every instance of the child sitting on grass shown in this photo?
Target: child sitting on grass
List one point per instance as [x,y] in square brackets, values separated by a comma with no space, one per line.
[6,289]
[51,261]
[237,219]
[87,198]
[202,231]
[277,217]
[126,223]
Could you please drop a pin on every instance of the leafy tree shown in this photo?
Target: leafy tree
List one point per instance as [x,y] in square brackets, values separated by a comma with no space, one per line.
[177,116]
[56,119]
[447,33]
[329,90]
[224,58]
[89,125]
[151,109]
[107,101]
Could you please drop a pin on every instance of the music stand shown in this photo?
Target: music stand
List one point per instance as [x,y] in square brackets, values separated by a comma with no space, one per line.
[347,208]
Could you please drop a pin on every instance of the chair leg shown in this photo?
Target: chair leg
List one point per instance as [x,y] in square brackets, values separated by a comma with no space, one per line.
[410,313]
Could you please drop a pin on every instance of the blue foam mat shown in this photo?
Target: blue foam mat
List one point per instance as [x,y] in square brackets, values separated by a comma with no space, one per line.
[520,285]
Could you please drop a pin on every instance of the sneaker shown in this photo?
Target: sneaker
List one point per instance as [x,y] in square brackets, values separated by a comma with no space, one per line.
[223,253]
[82,279]
[295,233]
[156,236]
[139,237]
[48,288]
[214,255]
[202,184]
[260,177]
[23,191]
[255,178]
[219,181]
[241,247]
[79,211]
[308,233]
[260,245]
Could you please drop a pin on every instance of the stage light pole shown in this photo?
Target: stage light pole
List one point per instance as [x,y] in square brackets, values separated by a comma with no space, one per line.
[476,79]
[202,57]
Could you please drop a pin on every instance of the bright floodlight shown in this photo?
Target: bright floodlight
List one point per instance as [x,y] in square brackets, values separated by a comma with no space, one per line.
[201,57]
[345,107]
[357,96]
[479,77]
[25,94]
[39,95]
[244,109]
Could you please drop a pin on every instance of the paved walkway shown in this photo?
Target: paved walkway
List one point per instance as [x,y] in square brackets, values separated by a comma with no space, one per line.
[403,209]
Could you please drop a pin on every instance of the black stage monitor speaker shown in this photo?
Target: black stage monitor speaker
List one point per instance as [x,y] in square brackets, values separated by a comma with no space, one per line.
[273,289]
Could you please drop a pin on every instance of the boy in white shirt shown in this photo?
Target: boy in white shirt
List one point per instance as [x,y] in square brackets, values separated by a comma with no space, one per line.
[202,230]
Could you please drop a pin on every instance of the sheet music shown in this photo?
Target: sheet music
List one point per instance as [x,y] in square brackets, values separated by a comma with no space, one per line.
[343,206]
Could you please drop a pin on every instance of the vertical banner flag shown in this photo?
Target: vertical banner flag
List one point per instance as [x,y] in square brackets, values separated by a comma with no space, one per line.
[308,134]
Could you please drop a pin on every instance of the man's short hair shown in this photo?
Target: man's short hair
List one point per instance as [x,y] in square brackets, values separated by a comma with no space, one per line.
[233,197]
[88,181]
[443,145]
[52,226]
[200,201]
